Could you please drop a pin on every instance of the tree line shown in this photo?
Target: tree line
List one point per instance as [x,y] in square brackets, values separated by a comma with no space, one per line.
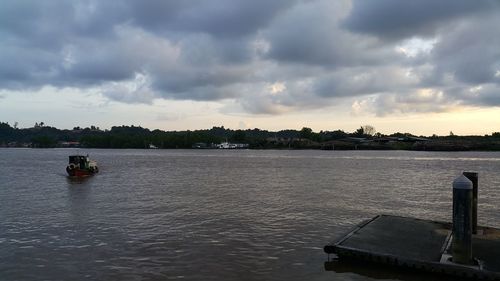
[42,135]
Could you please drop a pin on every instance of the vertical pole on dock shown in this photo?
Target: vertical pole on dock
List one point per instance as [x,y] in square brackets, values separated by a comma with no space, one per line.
[473,177]
[461,247]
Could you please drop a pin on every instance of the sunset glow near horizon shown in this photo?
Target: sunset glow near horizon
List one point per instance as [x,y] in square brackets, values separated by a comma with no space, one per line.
[425,67]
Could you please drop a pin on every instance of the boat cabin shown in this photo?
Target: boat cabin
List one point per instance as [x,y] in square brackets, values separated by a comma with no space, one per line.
[80,161]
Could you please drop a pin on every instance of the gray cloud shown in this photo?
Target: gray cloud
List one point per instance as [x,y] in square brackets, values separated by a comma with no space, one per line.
[365,80]
[210,40]
[411,102]
[470,51]
[220,18]
[318,50]
[393,19]
[25,67]
[488,95]
[483,95]
[309,34]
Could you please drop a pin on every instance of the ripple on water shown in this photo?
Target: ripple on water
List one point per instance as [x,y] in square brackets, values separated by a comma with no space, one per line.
[214,215]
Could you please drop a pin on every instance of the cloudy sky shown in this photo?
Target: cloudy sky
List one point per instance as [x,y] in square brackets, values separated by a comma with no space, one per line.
[411,66]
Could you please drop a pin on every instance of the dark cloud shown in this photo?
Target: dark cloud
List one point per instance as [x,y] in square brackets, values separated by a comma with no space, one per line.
[393,19]
[25,67]
[469,51]
[198,84]
[268,56]
[89,43]
[488,95]
[204,50]
[220,18]
[100,66]
[483,95]
[309,34]
[34,24]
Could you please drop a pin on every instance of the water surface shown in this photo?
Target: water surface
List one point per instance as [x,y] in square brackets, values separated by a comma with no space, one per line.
[216,214]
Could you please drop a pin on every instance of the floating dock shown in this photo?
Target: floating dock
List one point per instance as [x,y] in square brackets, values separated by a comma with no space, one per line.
[419,244]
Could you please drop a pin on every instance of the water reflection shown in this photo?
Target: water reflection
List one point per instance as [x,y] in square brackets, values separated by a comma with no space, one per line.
[79,190]
[382,271]
[77,180]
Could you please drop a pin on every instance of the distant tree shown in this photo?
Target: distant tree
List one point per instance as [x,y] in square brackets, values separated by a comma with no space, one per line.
[496,134]
[335,135]
[306,133]
[364,131]
[368,130]
[239,136]
[43,142]
[5,127]
[327,136]
[219,132]
[359,132]
[15,125]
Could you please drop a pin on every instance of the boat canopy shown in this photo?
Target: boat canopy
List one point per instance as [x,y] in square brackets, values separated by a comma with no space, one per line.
[77,158]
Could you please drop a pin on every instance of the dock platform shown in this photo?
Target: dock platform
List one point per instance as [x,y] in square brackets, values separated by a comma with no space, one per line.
[419,244]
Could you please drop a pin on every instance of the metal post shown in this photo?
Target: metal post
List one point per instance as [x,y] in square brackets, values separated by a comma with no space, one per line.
[473,177]
[461,247]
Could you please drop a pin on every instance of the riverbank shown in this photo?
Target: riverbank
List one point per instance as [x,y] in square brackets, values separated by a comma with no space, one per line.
[138,137]
[459,144]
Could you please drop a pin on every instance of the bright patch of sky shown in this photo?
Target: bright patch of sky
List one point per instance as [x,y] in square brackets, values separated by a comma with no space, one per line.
[416,46]
[277,88]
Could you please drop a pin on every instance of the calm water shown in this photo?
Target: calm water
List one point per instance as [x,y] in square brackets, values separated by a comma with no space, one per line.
[216,215]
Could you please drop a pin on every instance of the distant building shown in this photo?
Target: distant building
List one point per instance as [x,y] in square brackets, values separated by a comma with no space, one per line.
[228,145]
[201,145]
[69,144]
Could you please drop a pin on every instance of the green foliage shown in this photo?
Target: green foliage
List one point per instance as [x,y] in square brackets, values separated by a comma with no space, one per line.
[5,131]
[359,133]
[334,135]
[401,146]
[43,142]
[368,130]
[364,132]
[306,133]
[138,137]
[238,136]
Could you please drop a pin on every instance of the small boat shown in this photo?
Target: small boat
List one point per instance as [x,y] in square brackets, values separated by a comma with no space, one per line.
[228,145]
[81,166]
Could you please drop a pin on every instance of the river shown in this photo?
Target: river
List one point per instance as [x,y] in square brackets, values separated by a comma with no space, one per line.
[216,214]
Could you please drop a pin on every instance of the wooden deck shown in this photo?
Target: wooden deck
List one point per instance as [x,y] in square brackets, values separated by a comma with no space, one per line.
[418,244]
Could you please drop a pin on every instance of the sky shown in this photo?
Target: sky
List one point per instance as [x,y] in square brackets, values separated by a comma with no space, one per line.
[424,67]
